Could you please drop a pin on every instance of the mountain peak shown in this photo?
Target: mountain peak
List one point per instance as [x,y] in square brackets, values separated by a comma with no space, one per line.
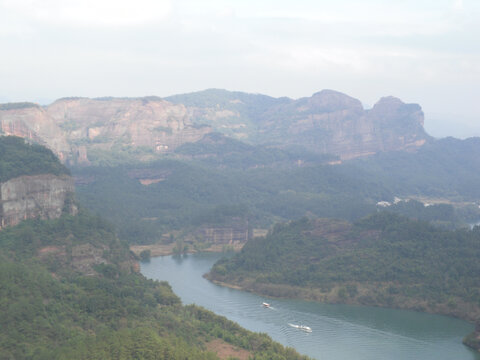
[331,100]
[396,110]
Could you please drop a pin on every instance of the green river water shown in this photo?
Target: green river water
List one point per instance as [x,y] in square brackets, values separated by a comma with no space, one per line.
[339,332]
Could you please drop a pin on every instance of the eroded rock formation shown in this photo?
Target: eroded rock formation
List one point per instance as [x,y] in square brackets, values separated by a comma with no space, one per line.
[75,127]
[334,123]
[78,129]
[39,196]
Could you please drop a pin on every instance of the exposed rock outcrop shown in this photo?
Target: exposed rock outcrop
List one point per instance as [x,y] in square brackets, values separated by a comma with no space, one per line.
[334,123]
[39,196]
[74,127]
[34,123]
[328,122]
[77,129]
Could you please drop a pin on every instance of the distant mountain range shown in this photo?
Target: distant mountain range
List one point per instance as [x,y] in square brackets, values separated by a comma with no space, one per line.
[83,130]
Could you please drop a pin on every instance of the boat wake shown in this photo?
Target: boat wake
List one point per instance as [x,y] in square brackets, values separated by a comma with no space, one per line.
[301,327]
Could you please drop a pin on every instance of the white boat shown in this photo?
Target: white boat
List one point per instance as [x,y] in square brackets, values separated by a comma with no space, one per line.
[267,305]
[301,327]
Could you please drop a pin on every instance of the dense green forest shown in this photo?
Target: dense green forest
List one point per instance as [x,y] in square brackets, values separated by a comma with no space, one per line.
[442,168]
[218,150]
[18,105]
[51,310]
[190,194]
[384,260]
[20,158]
[442,215]
[267,185]
[70,289]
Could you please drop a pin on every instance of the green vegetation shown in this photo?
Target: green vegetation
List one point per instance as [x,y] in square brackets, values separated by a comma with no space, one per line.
[19,158]
[70,290]
[49,309]
[443,215]
[18,105]
[145,255]
[218,150]
[473,339]
[191,194]
[245,110]
[267,185]
[448,168]
[384,260]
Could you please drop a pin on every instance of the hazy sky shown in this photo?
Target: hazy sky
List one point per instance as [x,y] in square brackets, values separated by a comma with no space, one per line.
[422,51]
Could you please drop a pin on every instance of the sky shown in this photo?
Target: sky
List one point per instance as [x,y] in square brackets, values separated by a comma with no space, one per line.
[421,51]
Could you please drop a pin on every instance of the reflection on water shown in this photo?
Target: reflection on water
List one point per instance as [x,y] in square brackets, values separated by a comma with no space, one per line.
[472,225]
[338,331]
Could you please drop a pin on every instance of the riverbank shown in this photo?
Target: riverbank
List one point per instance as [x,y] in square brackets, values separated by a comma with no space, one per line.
[365,296]
[339,331]
[355,294]
[472,340]
[169,249]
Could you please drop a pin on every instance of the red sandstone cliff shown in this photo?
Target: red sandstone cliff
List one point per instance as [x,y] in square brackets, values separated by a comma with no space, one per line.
[327,122]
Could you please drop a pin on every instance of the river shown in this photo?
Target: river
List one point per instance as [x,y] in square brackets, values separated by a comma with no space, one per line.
[340,332]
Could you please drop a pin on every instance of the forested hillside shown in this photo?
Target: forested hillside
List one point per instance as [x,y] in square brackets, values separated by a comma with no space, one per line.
[182,195]
[267,185]
[448,168]
[70,289]
[51,309]
[20,158]
[383,260]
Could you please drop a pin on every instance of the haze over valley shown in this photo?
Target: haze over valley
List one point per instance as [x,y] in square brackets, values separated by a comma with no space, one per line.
[239,180]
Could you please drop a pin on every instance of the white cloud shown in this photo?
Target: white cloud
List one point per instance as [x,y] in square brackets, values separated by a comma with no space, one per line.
[423,51]
[458,5]
[97,13]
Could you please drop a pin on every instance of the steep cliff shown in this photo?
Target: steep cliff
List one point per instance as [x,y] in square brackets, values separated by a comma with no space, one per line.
[327,122]
[32,122]
[40,196]
[81,130]
[33,183]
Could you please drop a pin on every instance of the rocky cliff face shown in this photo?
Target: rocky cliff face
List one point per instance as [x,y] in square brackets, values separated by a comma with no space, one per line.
[154,124]
[328,122]
[38,196]
[74,128]
[334,123]
[33,123]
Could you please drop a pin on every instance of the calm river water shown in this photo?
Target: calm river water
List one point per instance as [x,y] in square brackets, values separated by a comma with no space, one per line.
[340,332]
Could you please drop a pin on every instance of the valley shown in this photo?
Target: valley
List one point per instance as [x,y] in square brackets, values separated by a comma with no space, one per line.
[321,199]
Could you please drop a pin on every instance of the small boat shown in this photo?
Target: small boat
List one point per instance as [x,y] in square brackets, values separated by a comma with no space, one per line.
[267,305]
[301,327]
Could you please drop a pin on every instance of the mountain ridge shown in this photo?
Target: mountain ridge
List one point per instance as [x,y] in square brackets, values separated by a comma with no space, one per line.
[82,130]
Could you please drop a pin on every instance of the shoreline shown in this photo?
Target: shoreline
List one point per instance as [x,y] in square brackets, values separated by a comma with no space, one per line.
[314,294]
[168,249]
[471,340]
